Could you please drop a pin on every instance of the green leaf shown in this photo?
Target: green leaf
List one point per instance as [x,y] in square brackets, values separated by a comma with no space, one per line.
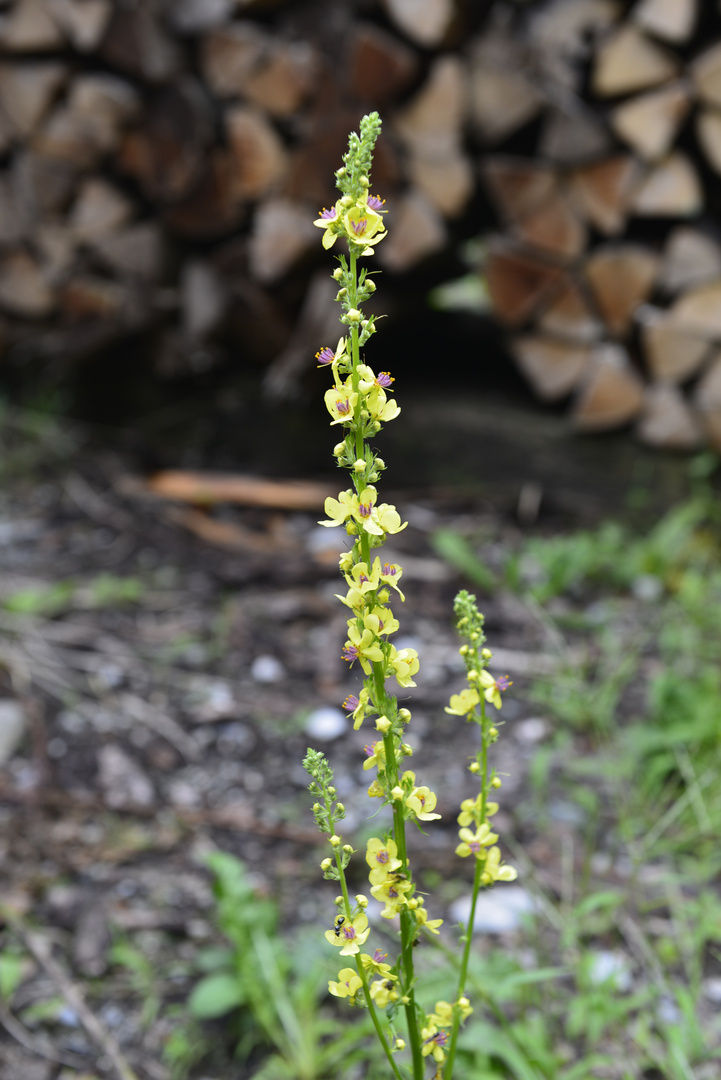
[11,973]
[459,553]
[215,996]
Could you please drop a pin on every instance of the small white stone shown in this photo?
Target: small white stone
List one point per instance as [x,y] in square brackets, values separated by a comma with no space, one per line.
[712,989]
[647,587]
[326,724]
[267,669]
[497,911]
[12,728]
[531,730]
[610,966]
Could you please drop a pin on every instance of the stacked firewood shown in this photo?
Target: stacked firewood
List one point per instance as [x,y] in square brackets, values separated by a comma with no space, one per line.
[162,163]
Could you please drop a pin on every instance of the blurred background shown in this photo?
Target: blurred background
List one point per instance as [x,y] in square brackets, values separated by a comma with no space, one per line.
[169,634]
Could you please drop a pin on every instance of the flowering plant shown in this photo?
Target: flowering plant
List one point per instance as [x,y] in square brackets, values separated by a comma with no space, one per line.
[358,402]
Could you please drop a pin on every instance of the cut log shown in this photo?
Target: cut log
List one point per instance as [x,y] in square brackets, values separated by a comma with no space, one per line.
[230,55]
[628,61]
[258,155]
[24,289]
[602,192]
[570,317]
[43,187]
[282,233]
[553,227]
[98,210]
[611,392]
[83,22]
[30,28]
[563,34]
[706,74]
[380,67]
[12,225]
[91,122]
[707,399]
[28,90]
[517,185]
[202,299]
[207,489]
[502,96]
[672,20]
[91,298]
[56,247]
[425,22]
[573,136]
[698,311]
[193,17]
[621,277]
[672,189]
[708,132]
[667,420]
[553,367]
[136,251]
[518,284]
[137,42]
[649,123]
[212,208]
[430,125]
[286,77]
[672,354]
[418,231]
[447,182]
[690,258]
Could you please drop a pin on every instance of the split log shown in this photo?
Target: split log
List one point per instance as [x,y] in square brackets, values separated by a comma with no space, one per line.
[517,185]
[286,77]
[208,489]
[518,284]
[698,311]
[98,210]
[569,316]
[27,91]
[602,192]
[564,33]
[30,28]
[418,231]
[380,66]
[229,55]
[135,251]
[611,392]
[649,123]
[137,42]
[690,258]
[425,22]
[203,299]
[667,421]
[446,182]
[91,299]
[621,277]
[672,20]
[708,132]
[553,227]
[628,61]
[83,22]
[672,353]
[573,136]
[211,209]
[502,95]
[258,156]
[91,122]
[24,289]
[706,74]
[198,16]
[552,366]
[282,233]
[672,189]
[707,399]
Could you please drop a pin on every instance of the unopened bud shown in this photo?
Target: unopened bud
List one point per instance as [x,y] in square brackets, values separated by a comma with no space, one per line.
[338,449]
[353,315]
[364,181]
[346,202]
[383,724]
[335,841]
[396,794]
[348,849]
[493,732]
[474,767]
[340,807]
[359,466]
[326,864]
[370,284]
[404,715]
[380,463]
[338,273]
[400,1044]
[496,782]
[361,900]
[486,654]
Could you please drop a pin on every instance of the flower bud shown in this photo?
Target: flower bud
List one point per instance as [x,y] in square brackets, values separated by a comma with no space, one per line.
[496,782]
[335,841]
[332,791]
[486,654]
[364,181]
[493,732]
[348,849]
[341,294]
[472,675]
[353,315]
[340,807]
[404,715]
[463,649]
[326,864]
[380,463]
[413,903]
[338,901]
[338,449]
[474,768]
[406,750]
[340,172]
[346,202]
[396,794]
[400,1044]
[463,1002]
[316,807]
[359,466]
[370,284]
[361,900]
[338,273]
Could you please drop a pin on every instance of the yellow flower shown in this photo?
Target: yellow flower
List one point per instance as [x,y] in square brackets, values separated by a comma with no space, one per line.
[383,992]
[392,893]
[363,646]
[433,1042]
[493,687]
[422,802]
[471,810]
[380,408]
[463,703]
[494,870]
[389,520]
[340,509]
[349,935]
[348,985]
[390,573]
[381,621]
[340,403]
[423,920]
[404,664]
[330,221]
[382,859]
[376,756]
[472,843]
[364,226]
[374,965]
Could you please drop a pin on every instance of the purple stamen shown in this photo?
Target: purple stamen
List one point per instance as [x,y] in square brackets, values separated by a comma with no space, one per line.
[379,957]
[503,682]
[376,203]
[389,570]
[329,215]
[348,933]
[350,653]
[325,356]
[365,509]
[368,750]
[384,379]
[343,407]
[382,856]
[359,227]
[351,703]
[474,846]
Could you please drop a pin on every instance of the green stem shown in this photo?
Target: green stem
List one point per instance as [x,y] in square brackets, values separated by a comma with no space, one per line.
[374,1017]
[448,1073]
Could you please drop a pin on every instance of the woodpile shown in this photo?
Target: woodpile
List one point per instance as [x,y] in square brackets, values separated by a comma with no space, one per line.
[161,164]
